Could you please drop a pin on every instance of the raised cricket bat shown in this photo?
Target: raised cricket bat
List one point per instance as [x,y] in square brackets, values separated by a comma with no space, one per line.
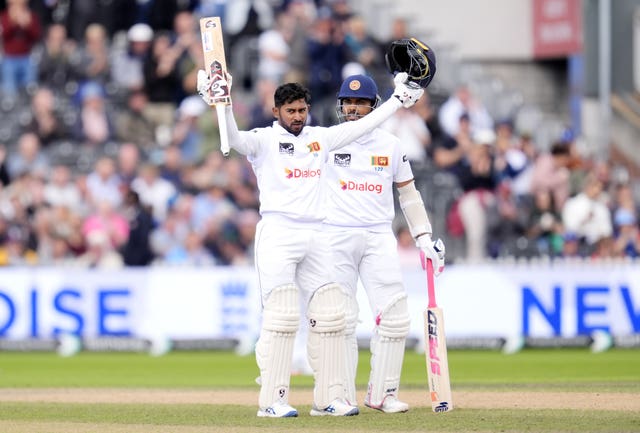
[215,64]
[436,350]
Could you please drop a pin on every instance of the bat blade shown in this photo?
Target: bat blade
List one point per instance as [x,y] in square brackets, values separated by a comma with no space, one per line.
[437,362]
[216,66]
[436,351]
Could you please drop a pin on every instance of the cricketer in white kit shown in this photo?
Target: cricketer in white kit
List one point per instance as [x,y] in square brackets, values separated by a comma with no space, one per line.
[359,213]
[292,255]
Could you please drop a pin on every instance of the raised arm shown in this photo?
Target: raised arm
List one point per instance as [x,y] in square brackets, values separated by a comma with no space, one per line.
[244,142]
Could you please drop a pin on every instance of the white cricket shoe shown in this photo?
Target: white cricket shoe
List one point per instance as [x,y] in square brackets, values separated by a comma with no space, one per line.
[278,410]
[390,404]
[338,407]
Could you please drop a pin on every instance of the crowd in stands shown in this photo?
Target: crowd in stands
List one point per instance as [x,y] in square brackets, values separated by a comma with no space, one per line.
[108,158]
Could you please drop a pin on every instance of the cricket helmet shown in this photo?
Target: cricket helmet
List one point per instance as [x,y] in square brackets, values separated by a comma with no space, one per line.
[413,57]
[357,86]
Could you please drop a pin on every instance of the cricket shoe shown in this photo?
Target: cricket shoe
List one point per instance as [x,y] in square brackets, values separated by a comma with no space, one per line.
[390,404]
[338,407]
[278,410]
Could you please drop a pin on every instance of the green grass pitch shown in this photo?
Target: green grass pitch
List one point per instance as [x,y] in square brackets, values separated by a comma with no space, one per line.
[537,370]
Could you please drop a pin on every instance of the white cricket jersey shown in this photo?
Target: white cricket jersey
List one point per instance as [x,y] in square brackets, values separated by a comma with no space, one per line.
[288,168]
[359,181]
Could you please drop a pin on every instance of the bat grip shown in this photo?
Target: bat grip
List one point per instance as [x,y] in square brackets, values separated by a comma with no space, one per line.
[222,125]
[431,287]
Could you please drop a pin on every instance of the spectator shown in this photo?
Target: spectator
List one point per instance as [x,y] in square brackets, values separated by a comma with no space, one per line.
[172,166]
[411,128]
[188,44]
[191,252]
[61,190]
[28,157]
[100,253]
[91,61]
[273,49]
[212,206]
[186,132]
[478,181]
[627,236]
[106,221]
[161,80]
[154,191]
[260,112]
[4,171]
[463,101]
[21,31]
[46,122]
[95,126]
[103,183]
[137,250]
[550,172]
[53,59]
[127,64]
[544,226]
[587,216]
[132,123]
[128,160]
[328,53]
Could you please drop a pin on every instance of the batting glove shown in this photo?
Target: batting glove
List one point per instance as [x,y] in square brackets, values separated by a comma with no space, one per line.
[214,90]
[433,250]
[407,92]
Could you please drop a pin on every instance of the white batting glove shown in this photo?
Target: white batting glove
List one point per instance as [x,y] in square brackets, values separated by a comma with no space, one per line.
[407,92]
[433,250]
[214,90]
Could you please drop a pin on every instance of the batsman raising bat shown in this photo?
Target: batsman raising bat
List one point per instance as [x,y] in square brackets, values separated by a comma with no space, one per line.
[292,255]
[360,178]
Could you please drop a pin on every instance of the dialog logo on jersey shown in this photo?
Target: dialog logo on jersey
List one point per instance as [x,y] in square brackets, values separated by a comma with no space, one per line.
[286,148]
[342,159]
[296,173]
[380,161]
[350,185]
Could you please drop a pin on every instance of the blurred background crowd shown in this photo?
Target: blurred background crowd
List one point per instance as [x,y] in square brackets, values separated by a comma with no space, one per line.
[108,158]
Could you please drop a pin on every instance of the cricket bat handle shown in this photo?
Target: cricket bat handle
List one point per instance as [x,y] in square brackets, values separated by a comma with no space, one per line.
[431,287]
[222,125]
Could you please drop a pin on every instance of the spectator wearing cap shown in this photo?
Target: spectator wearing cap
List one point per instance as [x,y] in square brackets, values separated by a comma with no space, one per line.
[128,60]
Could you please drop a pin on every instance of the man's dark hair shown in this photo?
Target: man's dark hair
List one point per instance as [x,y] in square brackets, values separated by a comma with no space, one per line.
[289,92]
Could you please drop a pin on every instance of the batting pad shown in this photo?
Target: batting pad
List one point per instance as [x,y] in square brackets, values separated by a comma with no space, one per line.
[274,349]
[351,350]
[387,350]
[326,344]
